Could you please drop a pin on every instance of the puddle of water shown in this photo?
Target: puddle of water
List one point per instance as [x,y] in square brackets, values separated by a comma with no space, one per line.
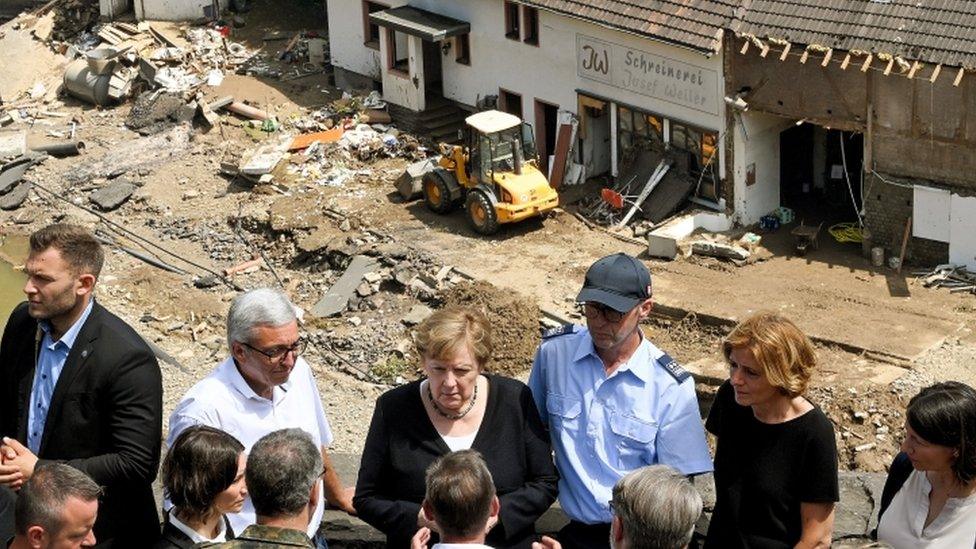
[13,250]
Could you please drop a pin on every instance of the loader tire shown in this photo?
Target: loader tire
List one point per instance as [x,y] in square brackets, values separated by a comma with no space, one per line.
[481,214]
[437,191]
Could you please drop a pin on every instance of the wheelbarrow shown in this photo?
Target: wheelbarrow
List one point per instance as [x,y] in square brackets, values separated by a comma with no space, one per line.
[805,236]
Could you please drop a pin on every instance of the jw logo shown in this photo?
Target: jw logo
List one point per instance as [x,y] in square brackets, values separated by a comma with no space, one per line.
[597,61]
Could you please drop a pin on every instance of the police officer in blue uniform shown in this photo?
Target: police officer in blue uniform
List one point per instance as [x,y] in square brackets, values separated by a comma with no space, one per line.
[612,401]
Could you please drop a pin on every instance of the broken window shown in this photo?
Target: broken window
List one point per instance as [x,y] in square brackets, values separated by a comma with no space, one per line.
[462,49]
[512,20]
[637,131]
[530,22]
[702,149]
[371,31]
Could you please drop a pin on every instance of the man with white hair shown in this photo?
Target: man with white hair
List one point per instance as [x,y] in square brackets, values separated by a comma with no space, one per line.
[654,507]
[263,386]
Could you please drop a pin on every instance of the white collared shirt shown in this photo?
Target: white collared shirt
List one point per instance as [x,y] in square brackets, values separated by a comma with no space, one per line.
[195,536]
[224,400]
[903,523]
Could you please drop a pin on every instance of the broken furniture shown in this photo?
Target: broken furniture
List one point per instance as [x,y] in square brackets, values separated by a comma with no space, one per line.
[805,236]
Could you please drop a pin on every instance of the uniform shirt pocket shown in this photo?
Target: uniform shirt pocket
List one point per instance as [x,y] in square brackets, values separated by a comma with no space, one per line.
[634,438]
[564,411]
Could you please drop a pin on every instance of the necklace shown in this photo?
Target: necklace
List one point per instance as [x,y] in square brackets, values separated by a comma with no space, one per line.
[474,398]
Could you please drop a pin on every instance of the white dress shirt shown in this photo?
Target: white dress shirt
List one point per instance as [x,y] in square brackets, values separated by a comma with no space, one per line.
[903,523]
[195,536]
[224,400]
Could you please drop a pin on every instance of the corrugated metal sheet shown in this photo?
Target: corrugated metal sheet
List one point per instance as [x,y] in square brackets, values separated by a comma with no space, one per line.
[933,31]
[695,24]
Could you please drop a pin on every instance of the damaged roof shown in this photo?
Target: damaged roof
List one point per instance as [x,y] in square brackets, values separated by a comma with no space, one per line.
[934,31]
[695,24]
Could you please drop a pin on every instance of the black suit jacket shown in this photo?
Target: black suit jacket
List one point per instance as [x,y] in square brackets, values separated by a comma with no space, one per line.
[174,538]
[402,443]
[105,416]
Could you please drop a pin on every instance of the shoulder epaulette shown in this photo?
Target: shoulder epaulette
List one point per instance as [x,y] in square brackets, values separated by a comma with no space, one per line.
[561,330]
[672,367]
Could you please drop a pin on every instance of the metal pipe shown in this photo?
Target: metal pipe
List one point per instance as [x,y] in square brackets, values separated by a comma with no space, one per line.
[61,150]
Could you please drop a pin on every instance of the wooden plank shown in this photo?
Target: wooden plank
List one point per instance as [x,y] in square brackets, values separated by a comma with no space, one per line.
[904,244]
[827,57]
[845,62]
[561,153]
[745,47]
[786,51]
[915,67]
[804,57]
[935,73]
[955,83]
[891,63]
[867,62]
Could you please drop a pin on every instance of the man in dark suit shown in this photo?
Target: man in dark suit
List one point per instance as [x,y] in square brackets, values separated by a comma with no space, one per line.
[79,386]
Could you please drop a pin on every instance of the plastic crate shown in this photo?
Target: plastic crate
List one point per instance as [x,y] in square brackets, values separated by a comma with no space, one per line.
[784,214]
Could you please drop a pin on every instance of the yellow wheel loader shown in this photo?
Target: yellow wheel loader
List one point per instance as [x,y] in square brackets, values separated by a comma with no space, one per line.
[494,173]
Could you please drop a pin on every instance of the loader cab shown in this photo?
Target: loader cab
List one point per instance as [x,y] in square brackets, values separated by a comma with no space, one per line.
[498,142]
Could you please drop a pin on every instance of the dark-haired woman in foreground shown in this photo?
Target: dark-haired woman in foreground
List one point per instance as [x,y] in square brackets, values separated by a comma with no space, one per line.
[935,507]
[203,476]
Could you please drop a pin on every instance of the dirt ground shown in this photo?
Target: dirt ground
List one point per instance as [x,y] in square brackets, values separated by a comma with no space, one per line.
[880,336]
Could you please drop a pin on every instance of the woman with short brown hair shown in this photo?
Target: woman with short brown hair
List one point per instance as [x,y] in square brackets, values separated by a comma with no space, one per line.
[456,406]
[776,457]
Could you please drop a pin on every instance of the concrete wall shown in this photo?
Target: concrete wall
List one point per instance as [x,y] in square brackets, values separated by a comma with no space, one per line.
[170,10]
[110,9]
[548,72]
[404,89]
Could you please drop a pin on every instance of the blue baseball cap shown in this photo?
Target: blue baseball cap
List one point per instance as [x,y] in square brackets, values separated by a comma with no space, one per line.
[618,281]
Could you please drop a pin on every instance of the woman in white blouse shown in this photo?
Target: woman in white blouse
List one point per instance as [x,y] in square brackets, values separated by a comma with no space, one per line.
[936,505]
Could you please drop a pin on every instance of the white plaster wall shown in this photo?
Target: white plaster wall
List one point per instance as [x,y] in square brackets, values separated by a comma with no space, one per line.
[759,144]
[170,10]
[346,37]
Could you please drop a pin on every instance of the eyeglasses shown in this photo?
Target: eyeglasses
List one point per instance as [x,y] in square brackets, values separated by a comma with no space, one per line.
[277,354]
[593,311]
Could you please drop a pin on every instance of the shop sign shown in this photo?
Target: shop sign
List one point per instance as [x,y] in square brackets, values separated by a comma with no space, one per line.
[647,74]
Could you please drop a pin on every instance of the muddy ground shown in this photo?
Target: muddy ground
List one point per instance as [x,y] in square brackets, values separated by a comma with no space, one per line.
[880,336]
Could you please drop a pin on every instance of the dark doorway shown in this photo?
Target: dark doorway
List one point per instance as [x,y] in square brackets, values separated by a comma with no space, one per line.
[433,73]
[545,131]
[820,173]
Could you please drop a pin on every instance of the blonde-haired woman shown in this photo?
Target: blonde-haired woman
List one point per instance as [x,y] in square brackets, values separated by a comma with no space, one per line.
[776,456]
[457,406]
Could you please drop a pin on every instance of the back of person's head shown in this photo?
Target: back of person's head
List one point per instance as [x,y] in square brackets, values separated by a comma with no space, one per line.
[42,505]
[783,352]
[282,469]
[945,414]
[201,464]
[656,507]
[257,307]
[460,493]
[77,246]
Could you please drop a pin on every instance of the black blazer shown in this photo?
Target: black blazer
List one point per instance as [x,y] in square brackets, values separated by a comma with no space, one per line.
[174,538]
[402,443]
[105,416]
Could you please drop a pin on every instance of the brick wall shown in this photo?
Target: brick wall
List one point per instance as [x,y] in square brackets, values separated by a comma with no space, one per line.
[886,209]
